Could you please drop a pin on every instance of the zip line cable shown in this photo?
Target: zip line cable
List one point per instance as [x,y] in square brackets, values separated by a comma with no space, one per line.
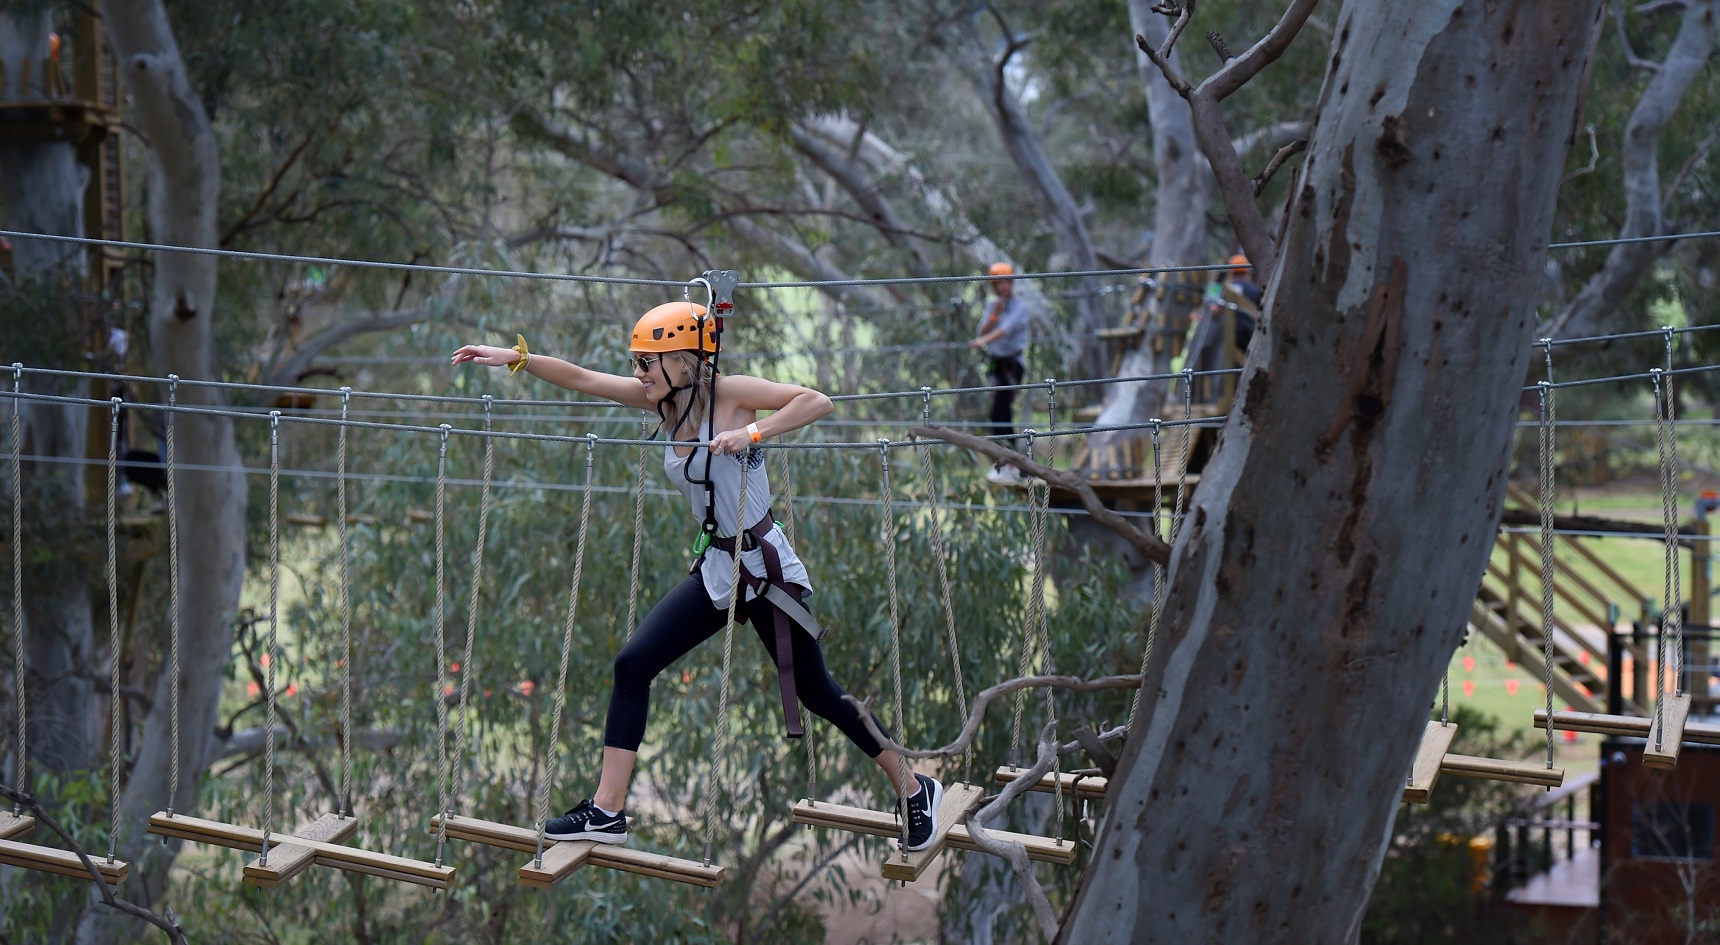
[672,283]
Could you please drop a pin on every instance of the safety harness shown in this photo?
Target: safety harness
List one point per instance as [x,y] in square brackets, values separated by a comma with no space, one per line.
[773,587]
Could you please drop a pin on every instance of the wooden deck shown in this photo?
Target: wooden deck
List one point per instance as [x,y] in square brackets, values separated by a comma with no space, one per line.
[1570,884]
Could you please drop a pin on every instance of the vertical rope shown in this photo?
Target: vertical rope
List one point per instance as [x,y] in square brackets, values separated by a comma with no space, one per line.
[785,474]
[735,592]
[940,554]
[887,521]
[1671,619]
[1187,445]
[173,612]
[271,657]
[1039,500]
[441,621]
[1548,564]
[345,610]
[1669,509]
[1035,603]
[20,774]
[1445,696]
[552,751]
[468,657]
[115,732]
[638,532]
[1159,571]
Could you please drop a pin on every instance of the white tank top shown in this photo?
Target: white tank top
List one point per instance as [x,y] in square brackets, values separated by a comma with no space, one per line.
[718,567]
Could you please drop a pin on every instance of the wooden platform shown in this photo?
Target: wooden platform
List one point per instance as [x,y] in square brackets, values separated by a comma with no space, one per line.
[1090,788]
[351,859]
[1494,769]
[1666,732]
[288,859]
[1436,741]
[884,824]
[626,859]
[1629,726]
[15,826]
[60,862]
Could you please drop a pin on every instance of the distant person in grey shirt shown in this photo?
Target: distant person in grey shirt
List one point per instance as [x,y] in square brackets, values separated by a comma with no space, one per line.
[1003,335]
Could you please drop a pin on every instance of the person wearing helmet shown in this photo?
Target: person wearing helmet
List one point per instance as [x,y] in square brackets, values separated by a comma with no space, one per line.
[1241,279]
[1003,335]
[710,423]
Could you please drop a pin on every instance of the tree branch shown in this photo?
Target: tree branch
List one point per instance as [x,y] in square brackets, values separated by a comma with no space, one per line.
[970,728]
[865,193]
[1152,548]
[1626,264]
[1630,56]
[1272,166]
[167,924]
[1013,852]
[287,372]
[1236,73]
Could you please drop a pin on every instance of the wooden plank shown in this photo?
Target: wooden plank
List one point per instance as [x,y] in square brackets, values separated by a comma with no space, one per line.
[1494,769]
[608,856]
[1666,733]
[1436,740]
[350,859]
[557,863]
[15,826]
[288,859]
[60,862]
[1086,788]
[908,865]
[1629,726]
[884,824]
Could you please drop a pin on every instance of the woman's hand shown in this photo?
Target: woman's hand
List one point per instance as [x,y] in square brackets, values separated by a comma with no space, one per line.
[731,441]
[487,355]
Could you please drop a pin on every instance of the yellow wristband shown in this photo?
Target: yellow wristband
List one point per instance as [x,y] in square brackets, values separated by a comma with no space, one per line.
[752,431]
[525,356]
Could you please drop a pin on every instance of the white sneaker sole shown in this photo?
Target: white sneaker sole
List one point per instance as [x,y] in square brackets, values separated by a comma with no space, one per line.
[937,790]
[610,838]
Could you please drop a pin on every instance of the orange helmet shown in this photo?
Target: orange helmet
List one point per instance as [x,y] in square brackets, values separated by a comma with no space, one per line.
[1238,265]
[1000,269]
[675,326]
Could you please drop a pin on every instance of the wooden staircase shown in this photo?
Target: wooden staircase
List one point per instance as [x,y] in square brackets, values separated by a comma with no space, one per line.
[1507,612]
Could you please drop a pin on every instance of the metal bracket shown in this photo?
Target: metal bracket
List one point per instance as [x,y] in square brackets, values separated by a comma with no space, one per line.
[723,283]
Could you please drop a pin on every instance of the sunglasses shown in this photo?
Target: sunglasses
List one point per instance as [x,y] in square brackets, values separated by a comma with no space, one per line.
[643,362]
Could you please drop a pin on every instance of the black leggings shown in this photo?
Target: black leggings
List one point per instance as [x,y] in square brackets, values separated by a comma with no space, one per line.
[686,618]
[1004,373]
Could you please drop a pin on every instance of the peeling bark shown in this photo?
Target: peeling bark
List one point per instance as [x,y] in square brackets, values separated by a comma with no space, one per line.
[1593,309]
[184,184]
[1322,577]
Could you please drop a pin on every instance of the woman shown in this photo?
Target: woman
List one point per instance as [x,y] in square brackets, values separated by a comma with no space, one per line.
[674,375]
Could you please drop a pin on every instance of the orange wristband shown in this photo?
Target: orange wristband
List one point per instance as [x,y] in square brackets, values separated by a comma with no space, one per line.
[752,431]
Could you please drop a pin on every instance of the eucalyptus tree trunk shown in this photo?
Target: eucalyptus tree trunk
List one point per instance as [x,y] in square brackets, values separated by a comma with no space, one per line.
[184,183]
[42,191]
[1321,581]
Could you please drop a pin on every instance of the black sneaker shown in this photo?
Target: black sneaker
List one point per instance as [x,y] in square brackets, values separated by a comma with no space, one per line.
[923,812]
[586,822]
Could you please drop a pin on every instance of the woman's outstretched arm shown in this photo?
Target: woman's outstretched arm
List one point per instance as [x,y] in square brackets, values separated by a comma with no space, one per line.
[565,374]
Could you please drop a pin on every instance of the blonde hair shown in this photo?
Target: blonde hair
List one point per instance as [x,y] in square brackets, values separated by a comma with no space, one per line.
[689,406]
